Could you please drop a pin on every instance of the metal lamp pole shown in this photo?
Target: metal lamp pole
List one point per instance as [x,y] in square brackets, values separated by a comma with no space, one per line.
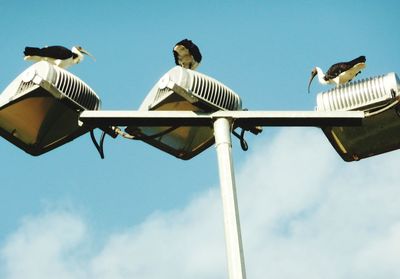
[222,123]
[233,238]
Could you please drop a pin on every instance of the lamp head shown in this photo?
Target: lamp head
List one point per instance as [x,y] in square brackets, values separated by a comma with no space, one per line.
[39,110]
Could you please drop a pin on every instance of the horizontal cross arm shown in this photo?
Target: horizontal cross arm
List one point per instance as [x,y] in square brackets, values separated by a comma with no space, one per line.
[240,118]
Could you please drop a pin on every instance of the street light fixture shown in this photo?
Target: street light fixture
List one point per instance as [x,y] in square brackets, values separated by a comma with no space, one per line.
[378,97]
[184,90]
[39,110]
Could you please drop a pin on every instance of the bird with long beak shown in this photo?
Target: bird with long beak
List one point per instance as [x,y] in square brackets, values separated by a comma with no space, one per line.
[339,73]
[57,55]
[187,54]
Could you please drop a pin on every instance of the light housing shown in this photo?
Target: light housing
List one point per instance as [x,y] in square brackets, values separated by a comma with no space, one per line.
[378,97]
[39,110]
[184,90]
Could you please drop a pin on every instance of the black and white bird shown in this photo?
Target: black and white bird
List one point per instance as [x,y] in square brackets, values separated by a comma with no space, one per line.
[187,54]
[339,73]
[57,55]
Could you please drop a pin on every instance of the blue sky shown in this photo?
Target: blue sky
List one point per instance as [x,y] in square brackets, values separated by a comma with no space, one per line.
[69,214]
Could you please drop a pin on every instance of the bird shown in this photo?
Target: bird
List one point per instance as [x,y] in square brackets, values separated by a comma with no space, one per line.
[187,54]
[339,73]
[57,55]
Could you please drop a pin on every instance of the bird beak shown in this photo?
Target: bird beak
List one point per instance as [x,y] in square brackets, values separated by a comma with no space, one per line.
[84,51]
[313,74]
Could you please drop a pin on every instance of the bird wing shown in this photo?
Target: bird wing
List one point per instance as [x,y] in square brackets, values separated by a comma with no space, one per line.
[31,51]
[194,50]
[56,52]
[351,73]
[338,68]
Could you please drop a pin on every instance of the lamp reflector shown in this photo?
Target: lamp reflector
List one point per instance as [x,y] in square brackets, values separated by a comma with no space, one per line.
[378,97]
[39,110]
[184,90]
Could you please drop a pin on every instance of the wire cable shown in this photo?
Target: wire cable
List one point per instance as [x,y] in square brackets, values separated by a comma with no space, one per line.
[144,137]
[99,147]
[243,142]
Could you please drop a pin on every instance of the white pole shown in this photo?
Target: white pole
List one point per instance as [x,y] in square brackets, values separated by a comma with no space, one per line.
[233,239]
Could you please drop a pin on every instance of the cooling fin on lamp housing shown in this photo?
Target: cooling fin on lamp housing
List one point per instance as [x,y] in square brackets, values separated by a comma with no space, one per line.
[378,97]
[39,110]
[182,89]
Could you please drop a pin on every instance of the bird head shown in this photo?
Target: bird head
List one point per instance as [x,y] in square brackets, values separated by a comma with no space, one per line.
[80,51]
[313,74]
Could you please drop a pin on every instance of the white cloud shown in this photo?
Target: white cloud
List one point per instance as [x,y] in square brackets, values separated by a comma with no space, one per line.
[47,246]
[312,214]
[304,213]
[182,244]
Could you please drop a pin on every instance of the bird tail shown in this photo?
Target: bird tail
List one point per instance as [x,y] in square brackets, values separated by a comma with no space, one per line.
[360,59]
[31,51]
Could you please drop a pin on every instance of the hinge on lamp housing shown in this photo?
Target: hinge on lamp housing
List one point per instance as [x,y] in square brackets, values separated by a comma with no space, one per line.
[38,80]
[58,94]
[183,92]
